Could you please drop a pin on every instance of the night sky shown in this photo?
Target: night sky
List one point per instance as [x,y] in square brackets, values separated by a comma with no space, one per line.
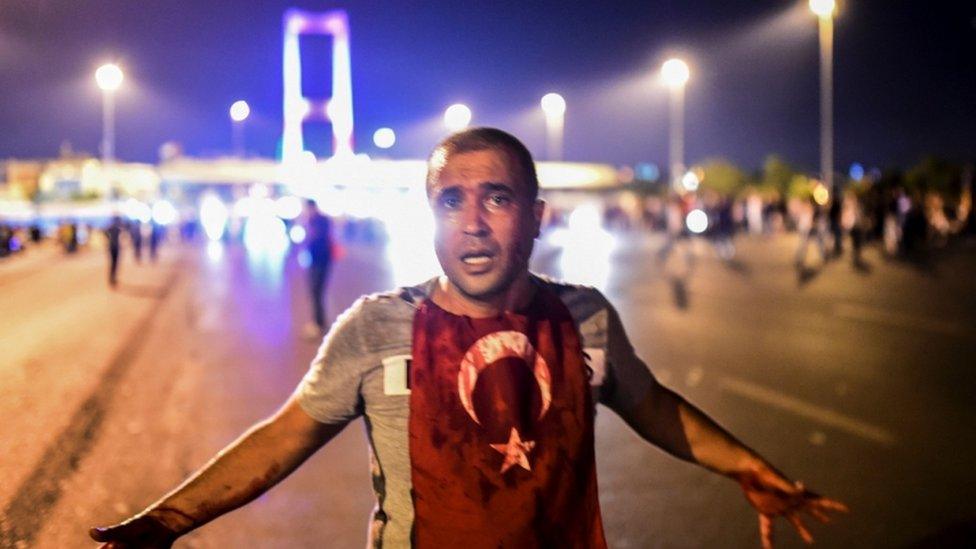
[905,75]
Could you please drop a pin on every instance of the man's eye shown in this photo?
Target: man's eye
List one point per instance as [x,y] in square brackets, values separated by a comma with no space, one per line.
[498,199]
[450,202]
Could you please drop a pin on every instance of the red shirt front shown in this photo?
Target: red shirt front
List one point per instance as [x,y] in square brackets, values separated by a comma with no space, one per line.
[501,430]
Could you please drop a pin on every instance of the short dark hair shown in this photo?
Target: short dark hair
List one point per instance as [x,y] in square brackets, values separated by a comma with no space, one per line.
[483,138]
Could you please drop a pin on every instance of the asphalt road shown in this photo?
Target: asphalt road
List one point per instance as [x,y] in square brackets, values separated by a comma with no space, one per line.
[856,381]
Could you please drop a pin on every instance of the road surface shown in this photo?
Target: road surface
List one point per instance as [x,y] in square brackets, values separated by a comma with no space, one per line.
[856,381]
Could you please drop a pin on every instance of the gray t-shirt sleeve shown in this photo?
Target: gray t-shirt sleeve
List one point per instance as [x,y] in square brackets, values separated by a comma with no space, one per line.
[628,378]
[330,391]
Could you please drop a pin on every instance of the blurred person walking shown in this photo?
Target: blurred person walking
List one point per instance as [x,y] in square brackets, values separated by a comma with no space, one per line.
[810,224]
[319,236]
[676,211]
[836,224]
[897,207]
[7,240]
[852,223]
[113,233]
[157,232]
[754,213]
[479,388]
[914,232]
[68,235]
[724,232]
[135,235]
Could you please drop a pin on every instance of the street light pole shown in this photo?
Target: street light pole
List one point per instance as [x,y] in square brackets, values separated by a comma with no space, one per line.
[675,74]
[824,9]
[554,107]
[108,126]
[676,158]
[109,78]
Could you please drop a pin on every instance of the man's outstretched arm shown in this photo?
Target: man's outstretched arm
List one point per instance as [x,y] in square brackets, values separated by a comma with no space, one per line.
[667,420]
[264,455]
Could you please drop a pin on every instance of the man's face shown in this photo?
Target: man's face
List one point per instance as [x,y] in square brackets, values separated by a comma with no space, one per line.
[485,219]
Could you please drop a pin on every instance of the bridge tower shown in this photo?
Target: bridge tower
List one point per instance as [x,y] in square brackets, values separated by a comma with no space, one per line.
[337,109]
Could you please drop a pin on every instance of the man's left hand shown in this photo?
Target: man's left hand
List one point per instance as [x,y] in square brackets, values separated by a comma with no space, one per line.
[774,496]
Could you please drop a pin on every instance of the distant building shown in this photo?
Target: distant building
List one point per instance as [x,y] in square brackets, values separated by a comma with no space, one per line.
[20,179]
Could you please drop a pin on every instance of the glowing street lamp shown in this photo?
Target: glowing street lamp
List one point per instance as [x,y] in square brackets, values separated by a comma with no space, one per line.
[384,138]
[554,107]
[109,78]
[239,111]
[457,117]
[824,10]
[675,74]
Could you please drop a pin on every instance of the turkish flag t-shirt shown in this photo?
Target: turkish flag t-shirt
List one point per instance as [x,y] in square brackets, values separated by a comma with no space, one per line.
[501,430]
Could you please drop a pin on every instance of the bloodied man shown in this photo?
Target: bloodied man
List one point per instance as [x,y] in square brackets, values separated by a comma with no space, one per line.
[478,389]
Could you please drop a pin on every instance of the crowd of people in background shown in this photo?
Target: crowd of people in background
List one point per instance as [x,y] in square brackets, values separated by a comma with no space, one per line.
[904,221]
[905,217]
[70,237]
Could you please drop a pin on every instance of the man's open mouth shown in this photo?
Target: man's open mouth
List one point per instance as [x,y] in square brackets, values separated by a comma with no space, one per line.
[477,258]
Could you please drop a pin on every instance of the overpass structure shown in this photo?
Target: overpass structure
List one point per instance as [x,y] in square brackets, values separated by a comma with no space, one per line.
[359,171]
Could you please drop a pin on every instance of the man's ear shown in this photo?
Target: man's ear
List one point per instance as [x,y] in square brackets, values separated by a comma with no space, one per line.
[538,211]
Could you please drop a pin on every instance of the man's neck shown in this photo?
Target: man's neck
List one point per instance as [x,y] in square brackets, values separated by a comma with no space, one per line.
[449,297]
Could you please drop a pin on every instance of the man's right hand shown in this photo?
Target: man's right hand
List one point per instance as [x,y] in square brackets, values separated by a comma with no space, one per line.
[139,532]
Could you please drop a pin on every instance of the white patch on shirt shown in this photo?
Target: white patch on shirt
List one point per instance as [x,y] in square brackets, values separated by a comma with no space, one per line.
[396,375]
[596,359]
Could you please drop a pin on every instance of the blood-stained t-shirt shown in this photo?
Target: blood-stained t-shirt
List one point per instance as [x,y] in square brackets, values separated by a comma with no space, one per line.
[362,369]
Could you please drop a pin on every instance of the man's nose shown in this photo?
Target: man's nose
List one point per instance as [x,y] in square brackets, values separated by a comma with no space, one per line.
[473,220]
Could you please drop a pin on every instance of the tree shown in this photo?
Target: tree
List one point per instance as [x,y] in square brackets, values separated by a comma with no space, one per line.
[935,174]
[777,175]
[724,177]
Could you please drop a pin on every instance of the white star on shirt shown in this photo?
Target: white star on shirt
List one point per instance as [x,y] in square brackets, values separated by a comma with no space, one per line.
[515,451]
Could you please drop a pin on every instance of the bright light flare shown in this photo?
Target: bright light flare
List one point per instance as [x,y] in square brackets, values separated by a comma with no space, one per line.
[259,190]
[690,181]
[457,117]
[384,138]
[823,8]
[410,226]
[239,111]
[109,77]
[697,221]
[244,207]
[675,73]
[266,242]
[586,247]
[821,195]
[213,217]
[553,105]
[265,234]
[164,213]
[136,210]
[584,219]
[288,207]
[215,251]
[297,234]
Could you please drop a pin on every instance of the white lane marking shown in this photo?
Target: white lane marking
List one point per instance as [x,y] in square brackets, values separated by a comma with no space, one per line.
[896,319]
[806,410]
